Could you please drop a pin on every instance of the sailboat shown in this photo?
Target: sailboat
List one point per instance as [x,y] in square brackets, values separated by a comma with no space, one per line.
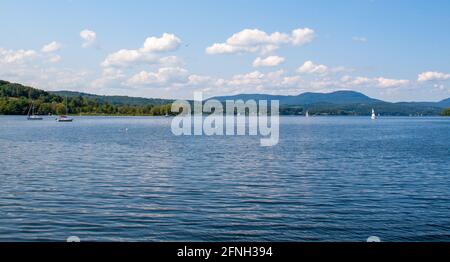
[31,115]
[64,118]
[307,114]
[373,115]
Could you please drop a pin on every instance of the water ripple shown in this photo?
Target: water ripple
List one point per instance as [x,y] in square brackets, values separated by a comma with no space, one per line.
[329,179]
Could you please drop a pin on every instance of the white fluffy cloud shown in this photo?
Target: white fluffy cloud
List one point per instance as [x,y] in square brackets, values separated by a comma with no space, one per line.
[150,65]
[377,81]
[109,75]
[51,47]
[16,56]
[274,82]
[148,53]
[268,61]
[30,57]
[164,76]
[89,37]
[45,76]
[54,58]
[180,80]
[262,81]
[302,36]
[252,78]
[310,68]
[432,76]
[126,57]
[356,81]
[255,40]
[388,83]
[167,42]
[200,80]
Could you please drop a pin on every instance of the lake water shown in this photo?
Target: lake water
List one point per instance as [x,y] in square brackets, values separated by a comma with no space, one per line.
[328,179]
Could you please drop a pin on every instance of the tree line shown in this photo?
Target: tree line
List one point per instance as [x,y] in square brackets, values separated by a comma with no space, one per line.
[446,112]
[16,99]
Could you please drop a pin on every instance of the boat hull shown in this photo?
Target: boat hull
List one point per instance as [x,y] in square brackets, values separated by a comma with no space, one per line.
[64,119]
[35,118]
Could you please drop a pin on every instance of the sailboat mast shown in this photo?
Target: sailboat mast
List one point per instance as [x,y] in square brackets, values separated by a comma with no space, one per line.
[29,110]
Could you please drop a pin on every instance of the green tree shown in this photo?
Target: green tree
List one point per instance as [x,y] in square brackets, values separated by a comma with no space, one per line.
[15,99]
[446,112]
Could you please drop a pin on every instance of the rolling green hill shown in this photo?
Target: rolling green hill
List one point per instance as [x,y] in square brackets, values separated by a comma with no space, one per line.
[15,99]
[116,100]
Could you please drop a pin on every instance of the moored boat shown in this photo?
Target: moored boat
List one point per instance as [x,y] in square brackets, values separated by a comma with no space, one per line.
[64,118]
[31,114]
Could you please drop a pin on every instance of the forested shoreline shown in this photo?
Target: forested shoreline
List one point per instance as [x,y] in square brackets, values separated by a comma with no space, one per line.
[446,112]
[15,99]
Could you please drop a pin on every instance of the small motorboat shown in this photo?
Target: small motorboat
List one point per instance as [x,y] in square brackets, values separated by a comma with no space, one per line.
[64,119]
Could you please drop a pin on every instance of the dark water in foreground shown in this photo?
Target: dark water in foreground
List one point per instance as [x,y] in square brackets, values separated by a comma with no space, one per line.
[329,179]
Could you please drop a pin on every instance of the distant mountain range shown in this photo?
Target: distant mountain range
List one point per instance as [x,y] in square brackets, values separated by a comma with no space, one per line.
[338,98]
[444,103]
[344,103]
[335,103]
[304,99]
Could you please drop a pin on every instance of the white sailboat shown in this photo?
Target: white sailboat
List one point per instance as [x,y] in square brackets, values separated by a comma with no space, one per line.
[64,118]
[31,115]
[373,115]
[307,113]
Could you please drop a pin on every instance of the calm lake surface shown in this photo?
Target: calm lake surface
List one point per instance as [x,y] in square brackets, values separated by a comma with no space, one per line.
[328,179]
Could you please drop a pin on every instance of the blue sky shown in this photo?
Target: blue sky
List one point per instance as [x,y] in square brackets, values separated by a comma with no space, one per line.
[392,50]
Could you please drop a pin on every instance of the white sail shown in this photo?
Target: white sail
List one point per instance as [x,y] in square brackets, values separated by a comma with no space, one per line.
[373,114]
[31,114]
